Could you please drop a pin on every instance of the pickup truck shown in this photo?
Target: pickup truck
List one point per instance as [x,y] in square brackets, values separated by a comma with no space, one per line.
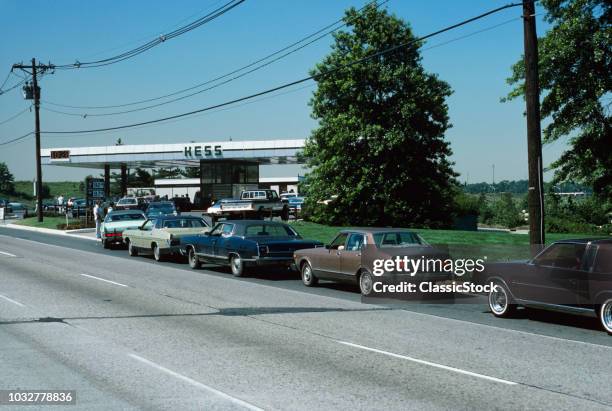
[253,204]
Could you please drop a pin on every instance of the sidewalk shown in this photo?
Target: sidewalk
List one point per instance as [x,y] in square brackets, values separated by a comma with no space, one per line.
[86,233]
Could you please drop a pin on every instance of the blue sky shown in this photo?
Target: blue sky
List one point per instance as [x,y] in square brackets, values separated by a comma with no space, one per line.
[484,131]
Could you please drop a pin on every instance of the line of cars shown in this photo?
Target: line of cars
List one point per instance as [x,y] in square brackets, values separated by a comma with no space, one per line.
[570,276]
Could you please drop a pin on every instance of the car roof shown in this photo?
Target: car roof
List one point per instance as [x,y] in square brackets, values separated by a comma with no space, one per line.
[116,212]
[176,217]
[593,240]
[376,230]
[161,203]
[248,222]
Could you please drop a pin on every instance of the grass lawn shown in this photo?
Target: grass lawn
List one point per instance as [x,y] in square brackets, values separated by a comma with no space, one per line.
[326,234]
[48,222]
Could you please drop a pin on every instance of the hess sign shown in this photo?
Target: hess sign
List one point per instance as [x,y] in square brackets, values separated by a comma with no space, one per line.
[203,151]
[60,155]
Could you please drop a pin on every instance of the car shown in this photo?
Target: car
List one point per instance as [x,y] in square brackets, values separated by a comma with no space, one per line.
[286,196]
[345,260]
[118,221]
[255,204]
[295,205]
[572,276]
[243,244]
[161,235]
[129,203]
[18,210]
[160,208]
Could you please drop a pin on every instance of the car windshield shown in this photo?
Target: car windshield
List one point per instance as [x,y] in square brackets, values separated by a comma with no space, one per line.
[165,208]
[127,201]
[125,217]
[398,239]
[271,230]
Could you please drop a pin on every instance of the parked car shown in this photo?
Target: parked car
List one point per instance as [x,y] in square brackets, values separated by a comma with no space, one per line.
[160,208]
[18,210]
[345,260]
[243,244]
[287,196]
[118,221]
[129,203]
[295,205]
[162,235]
[255,204]
[573,276]
[182,204]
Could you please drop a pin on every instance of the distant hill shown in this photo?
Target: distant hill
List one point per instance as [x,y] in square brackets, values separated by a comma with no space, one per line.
[519,187]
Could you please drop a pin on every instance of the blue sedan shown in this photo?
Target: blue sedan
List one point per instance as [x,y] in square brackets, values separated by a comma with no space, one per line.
[243,244]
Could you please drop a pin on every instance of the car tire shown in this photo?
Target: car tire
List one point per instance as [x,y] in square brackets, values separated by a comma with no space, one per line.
[105,244]
[308,277]
[193,260]
[157,255]
[366,283]
[604,312]
[500,301]
[237,266]
[132,251]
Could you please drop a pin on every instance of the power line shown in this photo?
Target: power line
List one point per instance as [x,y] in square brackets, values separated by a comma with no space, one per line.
[16,115]
[221,76]
[4,143]
[160,39]
[312,77]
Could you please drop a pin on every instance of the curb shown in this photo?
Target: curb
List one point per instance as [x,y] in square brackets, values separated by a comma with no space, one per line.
[49,231]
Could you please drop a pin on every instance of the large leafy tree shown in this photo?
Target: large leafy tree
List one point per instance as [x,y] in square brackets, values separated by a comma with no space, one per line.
[575,62]
[7,181]
[379,146]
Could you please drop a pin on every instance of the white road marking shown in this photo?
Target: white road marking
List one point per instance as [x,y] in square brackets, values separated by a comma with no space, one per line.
[431,364]
[11,301]
[195,383]
[7,254]
[102,279]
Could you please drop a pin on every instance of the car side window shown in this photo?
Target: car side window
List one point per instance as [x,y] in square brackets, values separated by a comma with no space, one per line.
[227,229]
[562,256]
[338,241]
[355,242]
[217,230]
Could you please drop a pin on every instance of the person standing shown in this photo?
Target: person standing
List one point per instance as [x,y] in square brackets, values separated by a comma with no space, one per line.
[60,203]
[97,211]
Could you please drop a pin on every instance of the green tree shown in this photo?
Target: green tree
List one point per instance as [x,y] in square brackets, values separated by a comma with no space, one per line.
[380,144]
[7,181]
[506,212]
[575,62]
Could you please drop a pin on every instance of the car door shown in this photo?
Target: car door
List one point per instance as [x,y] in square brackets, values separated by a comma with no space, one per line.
[206,246]
[221,243]
[330,262]
[553,277]
[350,257]
[143,236]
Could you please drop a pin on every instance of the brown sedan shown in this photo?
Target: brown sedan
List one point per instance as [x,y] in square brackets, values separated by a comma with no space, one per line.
[350,256]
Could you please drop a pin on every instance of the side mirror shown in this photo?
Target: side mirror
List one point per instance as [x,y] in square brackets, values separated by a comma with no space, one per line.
[340,247]
[206,232]
[327,246]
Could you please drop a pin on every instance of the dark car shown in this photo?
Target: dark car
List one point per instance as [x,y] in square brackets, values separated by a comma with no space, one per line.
[160,208]
[246,243]
[572,276]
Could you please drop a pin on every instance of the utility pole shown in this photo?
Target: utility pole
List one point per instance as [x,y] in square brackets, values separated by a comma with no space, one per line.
[534,133]
[32,92]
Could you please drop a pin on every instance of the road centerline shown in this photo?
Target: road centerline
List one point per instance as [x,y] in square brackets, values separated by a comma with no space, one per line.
[195,383]
[429,363]
[10,300]
[103,279]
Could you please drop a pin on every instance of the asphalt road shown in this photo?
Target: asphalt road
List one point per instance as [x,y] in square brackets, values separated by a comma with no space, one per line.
[131,333]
